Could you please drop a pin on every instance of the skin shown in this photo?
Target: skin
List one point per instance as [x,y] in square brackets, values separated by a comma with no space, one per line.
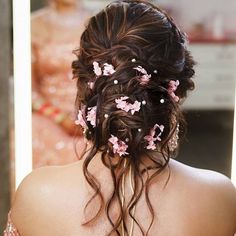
[50,201]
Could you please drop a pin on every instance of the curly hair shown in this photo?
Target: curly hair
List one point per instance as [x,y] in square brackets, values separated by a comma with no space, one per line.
[123,31]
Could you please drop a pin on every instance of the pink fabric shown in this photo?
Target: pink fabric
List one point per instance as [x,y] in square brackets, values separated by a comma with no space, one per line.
[10,229]
[51,144]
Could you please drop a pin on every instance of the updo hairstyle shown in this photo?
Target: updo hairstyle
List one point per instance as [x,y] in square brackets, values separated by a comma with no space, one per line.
[128,34]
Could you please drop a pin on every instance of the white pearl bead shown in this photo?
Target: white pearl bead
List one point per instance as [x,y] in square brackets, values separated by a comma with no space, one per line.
[144,102]
[115,81]
[133,60]
[106,116]
[162,100]
[126,140]
[139,130]
[155,71]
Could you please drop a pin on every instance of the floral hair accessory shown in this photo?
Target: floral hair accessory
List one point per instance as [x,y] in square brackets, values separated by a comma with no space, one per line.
[125,106]
[152,137]
[108,69]
[91,116]
[97,69]
[119,146]
[80,120]
[145,78]
[173,85]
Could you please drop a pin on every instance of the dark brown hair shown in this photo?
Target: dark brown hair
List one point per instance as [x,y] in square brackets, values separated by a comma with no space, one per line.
[122,31]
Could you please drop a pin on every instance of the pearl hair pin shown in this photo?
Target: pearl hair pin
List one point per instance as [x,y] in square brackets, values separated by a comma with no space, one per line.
[106,116]
[162,101]
[144,102]
[139,130]
[115,81]
[133,60]
[155,71]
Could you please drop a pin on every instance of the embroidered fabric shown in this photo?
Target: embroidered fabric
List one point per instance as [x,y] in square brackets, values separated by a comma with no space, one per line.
[10,229]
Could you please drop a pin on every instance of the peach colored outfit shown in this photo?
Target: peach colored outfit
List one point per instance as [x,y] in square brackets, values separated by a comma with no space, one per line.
[51,144]
[10,229]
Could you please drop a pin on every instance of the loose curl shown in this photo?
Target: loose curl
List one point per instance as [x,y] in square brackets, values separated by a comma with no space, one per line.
[122,31]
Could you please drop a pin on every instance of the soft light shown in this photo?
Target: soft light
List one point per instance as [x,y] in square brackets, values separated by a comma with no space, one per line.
[22,89]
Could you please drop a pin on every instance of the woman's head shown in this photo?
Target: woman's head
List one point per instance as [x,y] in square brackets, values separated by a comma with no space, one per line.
[137,104]
[126,35]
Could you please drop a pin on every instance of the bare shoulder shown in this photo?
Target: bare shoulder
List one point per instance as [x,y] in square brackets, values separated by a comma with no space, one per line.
[208,194]
[43,195]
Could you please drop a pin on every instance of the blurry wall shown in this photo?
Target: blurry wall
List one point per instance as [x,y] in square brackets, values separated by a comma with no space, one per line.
[5,55]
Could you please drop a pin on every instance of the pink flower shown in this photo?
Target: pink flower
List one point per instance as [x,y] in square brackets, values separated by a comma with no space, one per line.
[108,69]
[119,146]
[97,69]
[91,116]
[151,138]
[125,106]
[145,78]
[141,69]
[135,107]
[173,85]
[80,120]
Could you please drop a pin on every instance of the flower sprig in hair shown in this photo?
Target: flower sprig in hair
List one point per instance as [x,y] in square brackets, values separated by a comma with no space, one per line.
[80,120]
[119,146]
[107,70]
[173,85]
[91,116]
[145,78]
[122,104]
[153,136]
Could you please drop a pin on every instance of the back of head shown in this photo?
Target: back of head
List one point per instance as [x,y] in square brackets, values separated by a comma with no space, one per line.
[133,71]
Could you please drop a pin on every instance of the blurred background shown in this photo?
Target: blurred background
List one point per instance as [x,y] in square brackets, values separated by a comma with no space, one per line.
[56,26]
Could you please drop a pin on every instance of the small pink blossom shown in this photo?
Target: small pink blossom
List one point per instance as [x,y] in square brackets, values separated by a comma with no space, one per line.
[119,146]
[125,106]
[108,69]
[151,138]
[80,120]
[135,107]
[91,116]
[122,104]
[173,85]
[141,69]
[145,78]
[97,69]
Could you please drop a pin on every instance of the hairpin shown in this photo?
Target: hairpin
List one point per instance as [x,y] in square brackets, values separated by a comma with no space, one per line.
[125,106]
[145,78]
[119,146]
[152,137]
[91,85]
